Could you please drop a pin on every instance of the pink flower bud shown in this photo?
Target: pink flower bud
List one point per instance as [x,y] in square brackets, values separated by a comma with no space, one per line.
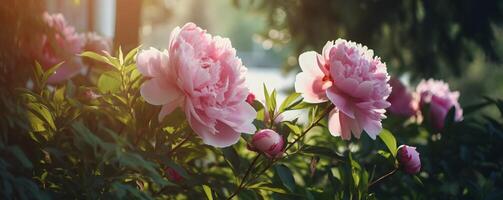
[250,98]
[409,159]
[173,175]
[268,142]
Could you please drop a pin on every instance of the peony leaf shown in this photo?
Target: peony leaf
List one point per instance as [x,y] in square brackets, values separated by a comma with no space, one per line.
[322,151]
[130,57]
[98,57]
[450,117]
[109,82]
[208,192]
[232,158]
[389,140]
[286,176]
[289,102]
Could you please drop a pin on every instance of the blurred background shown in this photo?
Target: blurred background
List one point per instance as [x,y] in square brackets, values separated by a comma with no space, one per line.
[459,41]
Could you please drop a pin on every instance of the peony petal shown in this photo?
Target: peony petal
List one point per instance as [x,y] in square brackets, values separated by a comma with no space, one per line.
[309,64]
[347,85]
[157,91]
[363,90]
[151,62]
[355,127]
[337,127]
[168,108]
[224,137]
[306,84]
[372,127]
[240,117]
[340,102]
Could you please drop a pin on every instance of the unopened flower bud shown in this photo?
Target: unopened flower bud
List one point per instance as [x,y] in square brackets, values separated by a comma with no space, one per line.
[173,175]
[269,142]
[250,98]
[409,159]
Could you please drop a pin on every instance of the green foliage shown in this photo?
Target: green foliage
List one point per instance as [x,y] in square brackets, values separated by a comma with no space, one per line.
[59,142]
[420,36]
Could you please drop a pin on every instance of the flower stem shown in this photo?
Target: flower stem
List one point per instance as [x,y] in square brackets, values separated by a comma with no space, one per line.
[270,164]
[179,144]
[244,177]
[312,125]
[383,177]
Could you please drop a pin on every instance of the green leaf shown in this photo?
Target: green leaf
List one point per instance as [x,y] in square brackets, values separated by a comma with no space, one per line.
[97,57]
[288,102]
[300,105]
[131,55]
[450,117]
[389,140]
[41,112]
[286,176]
[272,98]
[267,97]
[109,82]
[418,180]
[121,56]
[232,158]
[51,71]
[267,187]
[322,151]
[39,73]
[294,128]
[207,191]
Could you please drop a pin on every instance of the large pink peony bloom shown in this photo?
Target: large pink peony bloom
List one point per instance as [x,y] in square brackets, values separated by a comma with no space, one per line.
[441,100]
[403,102]
[353,79]
[202,75]
[62,45]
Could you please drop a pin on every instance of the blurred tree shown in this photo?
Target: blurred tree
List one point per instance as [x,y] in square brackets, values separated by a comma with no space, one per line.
[422,35]
[20,19]
[127,24]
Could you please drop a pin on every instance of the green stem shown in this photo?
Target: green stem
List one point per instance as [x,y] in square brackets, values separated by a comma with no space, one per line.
[312,125]
[244,177]
[179,145]
[383,177]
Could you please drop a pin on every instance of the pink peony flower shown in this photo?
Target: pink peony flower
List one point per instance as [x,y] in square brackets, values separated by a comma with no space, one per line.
[97,43]
[202,75]
[173,175]
[353,79]
[441,100]
[409,159]
[268,142]
[63,44]
[250,98]
[403,102]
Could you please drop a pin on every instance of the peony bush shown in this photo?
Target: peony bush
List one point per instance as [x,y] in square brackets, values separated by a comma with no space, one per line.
[180,123]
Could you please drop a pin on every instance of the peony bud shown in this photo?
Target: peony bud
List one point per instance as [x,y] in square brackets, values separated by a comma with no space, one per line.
[250,98]
[173,175]
[268,142]
[409,159]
